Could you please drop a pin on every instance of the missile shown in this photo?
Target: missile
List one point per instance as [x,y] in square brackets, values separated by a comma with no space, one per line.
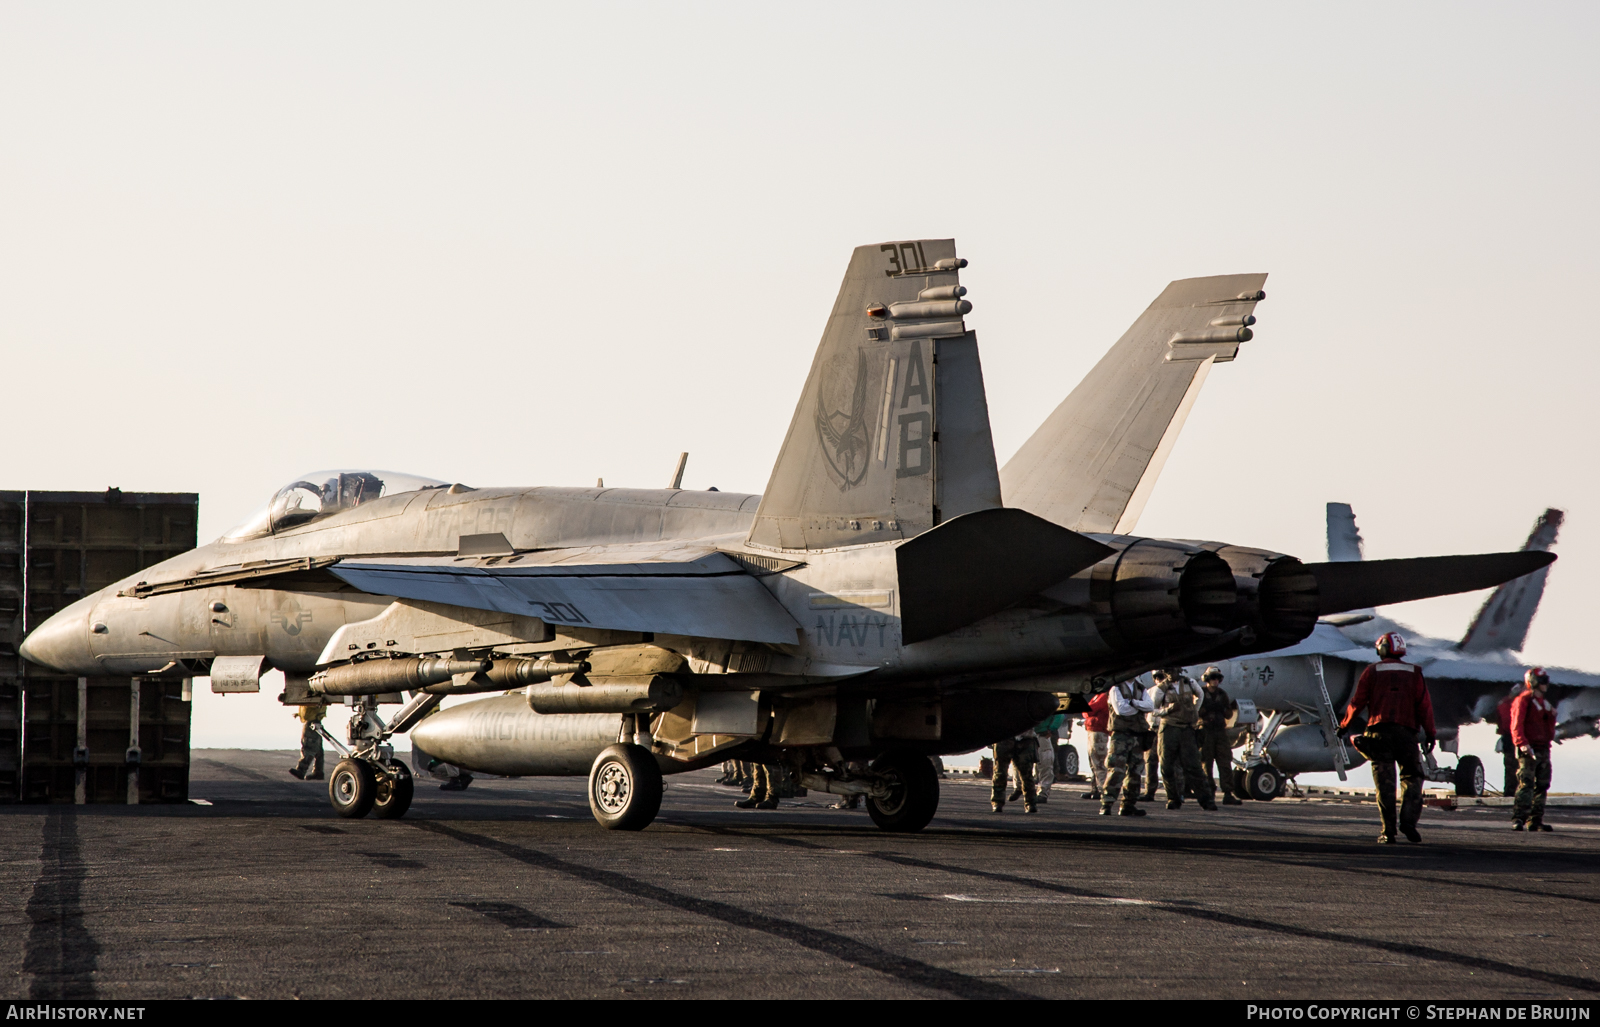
[438,675]
[509,674]
[375,677]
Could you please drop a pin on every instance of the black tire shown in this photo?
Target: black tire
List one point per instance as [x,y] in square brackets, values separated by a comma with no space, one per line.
[352,788]
[1469,776]
[394,792]
[625,788]
[913,792]
[1069,761]
[1263,783]
[1241,791]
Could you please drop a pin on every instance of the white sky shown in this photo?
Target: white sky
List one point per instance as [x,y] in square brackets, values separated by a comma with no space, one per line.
[524,244]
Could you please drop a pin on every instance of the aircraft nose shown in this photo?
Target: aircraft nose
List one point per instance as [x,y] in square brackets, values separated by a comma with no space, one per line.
[61,643]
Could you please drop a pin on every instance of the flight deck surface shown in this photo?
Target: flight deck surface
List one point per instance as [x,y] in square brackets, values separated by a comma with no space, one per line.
[511,890]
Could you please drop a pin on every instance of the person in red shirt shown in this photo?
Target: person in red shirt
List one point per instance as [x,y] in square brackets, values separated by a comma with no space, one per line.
[1505,746]
[1533,728]
[1095,722]
[1397,706]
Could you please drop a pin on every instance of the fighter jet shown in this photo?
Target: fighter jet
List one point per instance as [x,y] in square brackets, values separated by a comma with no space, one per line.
[1305,688]
[878,604]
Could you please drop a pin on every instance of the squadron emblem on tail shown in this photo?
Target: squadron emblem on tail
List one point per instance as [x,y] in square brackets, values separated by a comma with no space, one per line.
[843,433]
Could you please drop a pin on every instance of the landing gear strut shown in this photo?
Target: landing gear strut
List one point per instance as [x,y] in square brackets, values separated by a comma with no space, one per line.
[369,779]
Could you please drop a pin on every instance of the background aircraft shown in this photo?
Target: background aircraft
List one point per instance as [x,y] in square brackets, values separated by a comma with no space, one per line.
[1298,690]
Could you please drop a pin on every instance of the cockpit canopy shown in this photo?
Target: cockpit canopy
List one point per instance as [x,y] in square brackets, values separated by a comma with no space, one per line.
[322,494]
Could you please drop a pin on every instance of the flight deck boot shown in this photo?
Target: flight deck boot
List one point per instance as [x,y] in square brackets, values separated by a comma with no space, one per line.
[1538,824]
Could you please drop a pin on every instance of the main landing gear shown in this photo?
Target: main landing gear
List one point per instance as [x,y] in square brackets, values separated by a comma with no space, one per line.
[625,787]
[913,792]
[901,787]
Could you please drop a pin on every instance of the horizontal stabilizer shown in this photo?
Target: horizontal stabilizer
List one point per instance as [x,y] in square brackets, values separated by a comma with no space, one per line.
[1368,583]
[980,563]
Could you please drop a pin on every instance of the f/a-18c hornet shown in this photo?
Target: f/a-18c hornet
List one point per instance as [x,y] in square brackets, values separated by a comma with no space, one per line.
[1303,690]
[879,604]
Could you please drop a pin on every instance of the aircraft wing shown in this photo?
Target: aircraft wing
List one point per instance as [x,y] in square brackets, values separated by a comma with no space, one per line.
[1449,667]
[686,591]
[1324,640]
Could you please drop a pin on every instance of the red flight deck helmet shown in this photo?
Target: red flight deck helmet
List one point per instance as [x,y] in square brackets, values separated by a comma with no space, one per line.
[1535,677]
[1391,646]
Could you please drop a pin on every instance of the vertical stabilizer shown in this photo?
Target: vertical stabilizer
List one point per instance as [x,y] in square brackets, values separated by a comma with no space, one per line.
[1093,463]
[1344,538]
[1503,621]
[891,435]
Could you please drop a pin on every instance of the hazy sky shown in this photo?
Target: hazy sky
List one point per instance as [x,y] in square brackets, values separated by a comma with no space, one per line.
[520,244]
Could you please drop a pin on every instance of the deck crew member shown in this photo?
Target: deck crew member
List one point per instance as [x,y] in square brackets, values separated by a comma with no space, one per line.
[1018,751]
[1177,706]
[1129,706]
[763,789]
[1215,708]
[1096,721]
[310,766]
[1533,728]
[1395,698]
[1151,754]
[1504,745]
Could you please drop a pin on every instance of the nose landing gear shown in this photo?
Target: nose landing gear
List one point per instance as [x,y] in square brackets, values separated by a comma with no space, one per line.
[369,779]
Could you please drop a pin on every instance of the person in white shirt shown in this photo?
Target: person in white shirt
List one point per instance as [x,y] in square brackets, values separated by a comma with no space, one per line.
[1128,709]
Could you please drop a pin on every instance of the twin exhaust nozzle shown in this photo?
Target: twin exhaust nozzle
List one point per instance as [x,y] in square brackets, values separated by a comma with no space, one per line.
[438,675]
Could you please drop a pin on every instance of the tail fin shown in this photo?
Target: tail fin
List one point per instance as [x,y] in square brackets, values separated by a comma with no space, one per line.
[1345,544]
[1094,462]
[891,435]
[1503,621]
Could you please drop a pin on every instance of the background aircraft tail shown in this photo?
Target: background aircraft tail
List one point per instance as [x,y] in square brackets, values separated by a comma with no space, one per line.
[891,434]
[1344,538]
[1503,620]
[1093,463]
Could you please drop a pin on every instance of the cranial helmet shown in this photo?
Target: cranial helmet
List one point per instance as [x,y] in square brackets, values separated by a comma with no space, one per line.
[1391,645]
[1212,674]
[1535,677]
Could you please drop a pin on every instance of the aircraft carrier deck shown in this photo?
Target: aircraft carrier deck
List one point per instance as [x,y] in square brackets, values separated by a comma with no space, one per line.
[510,890]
